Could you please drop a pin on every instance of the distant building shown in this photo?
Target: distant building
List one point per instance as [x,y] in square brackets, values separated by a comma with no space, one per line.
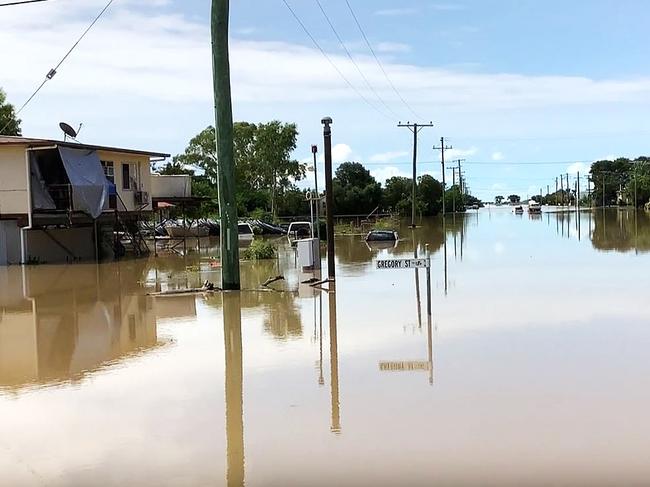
[62,201]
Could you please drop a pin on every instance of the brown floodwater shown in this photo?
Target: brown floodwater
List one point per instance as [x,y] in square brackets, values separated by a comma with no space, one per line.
[533,368]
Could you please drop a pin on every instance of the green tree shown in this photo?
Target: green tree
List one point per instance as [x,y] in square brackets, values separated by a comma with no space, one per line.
[514,198]
[640,174]
[263,166]
[454,199]
[397,194]
[9,123]
[498,199]
[429,195]
[273,145]
[174,168]
[608,177]
[355,190]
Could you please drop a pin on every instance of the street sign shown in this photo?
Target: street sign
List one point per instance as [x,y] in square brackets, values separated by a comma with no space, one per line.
[404,366]
[403,264]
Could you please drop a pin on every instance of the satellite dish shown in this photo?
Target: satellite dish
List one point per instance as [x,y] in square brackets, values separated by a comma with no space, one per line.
[68,131]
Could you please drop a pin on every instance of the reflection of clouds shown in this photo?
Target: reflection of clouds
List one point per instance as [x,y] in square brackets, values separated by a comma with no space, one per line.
[499,248]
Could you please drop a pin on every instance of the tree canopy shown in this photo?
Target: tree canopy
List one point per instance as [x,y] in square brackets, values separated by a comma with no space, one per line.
[8,120]
[355,190]
[264,169]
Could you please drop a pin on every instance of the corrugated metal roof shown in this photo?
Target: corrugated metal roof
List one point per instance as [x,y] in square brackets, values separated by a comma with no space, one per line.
[30,142]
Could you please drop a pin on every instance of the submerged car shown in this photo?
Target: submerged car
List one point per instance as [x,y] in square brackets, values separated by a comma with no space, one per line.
[382,236]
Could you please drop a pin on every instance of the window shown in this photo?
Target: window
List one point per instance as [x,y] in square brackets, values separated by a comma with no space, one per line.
[126,175]
[109,170]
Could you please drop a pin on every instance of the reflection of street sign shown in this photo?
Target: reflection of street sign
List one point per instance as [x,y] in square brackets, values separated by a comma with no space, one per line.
[404,366]
[403,264]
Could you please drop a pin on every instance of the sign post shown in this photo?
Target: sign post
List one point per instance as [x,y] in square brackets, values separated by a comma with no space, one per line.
[423,263]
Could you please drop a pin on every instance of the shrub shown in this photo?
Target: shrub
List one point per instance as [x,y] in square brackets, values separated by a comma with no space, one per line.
[259,249]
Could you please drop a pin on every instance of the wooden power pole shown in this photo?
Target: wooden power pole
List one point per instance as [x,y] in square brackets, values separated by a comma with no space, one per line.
[225,152]
[415,128]
[442,150]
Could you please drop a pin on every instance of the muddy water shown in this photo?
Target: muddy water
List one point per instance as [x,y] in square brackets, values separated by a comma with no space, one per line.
[533,369]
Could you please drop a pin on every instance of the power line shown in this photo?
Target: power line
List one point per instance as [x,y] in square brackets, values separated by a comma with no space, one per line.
[486,163]
[322,51]
[381,66]
[347,51]
[10,4]
[52,72]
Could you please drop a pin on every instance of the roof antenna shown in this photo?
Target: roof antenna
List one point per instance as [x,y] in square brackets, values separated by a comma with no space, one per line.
[68,131]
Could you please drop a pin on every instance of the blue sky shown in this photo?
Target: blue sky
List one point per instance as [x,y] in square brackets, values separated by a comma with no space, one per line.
[506,82]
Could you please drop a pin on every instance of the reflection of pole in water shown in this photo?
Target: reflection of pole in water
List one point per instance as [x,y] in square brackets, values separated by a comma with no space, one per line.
[462,237]
[234,389]
[334,366]
[430,349]
[321,379]
[417,281]
[578,219]
[444,233]
[429,333]
[590,215]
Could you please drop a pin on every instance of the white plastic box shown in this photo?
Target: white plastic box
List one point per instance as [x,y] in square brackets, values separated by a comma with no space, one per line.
[309,253]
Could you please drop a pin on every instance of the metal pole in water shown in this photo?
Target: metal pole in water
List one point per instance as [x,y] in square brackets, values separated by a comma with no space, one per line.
[314,151]
[225,152]
[329,197]
[428,282]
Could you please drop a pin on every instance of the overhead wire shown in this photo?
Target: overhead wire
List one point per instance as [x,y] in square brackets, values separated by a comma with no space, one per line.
[379,63]
[336,68]
[52,72]
[347,52]
[22,2]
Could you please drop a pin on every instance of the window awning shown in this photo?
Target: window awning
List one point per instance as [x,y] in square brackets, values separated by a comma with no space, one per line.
[89,184]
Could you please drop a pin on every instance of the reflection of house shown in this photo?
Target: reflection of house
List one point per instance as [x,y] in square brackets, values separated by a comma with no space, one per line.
[70,321]
[61,201]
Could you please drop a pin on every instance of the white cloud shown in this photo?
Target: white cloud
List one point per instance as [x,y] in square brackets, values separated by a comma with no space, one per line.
[391,12]
[393,47]
[576,167]
[447,6]
[497,156]
[168,59]
[498,187]
[388,156]
[341,153]
[384,173]
[459,153]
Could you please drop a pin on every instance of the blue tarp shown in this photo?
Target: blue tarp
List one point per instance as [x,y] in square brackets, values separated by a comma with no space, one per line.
[89,184]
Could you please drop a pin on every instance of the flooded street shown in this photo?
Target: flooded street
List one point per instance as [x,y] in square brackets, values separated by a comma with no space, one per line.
[534,365]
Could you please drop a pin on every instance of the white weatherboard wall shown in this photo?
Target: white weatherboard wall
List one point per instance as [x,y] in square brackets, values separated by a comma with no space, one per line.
[42,248]
[171,186]
[140,170]
[13,180]
[9,242]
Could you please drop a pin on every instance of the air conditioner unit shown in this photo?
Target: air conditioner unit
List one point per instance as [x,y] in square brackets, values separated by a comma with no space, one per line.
[141,198]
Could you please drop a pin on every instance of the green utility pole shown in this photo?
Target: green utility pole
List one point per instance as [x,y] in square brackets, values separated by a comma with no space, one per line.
[225,153]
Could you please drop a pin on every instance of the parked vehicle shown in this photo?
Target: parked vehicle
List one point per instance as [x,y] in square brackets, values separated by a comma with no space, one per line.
[382,236]
[176,229]
[519,209]
[299,230]
[245,231]
[534,207]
